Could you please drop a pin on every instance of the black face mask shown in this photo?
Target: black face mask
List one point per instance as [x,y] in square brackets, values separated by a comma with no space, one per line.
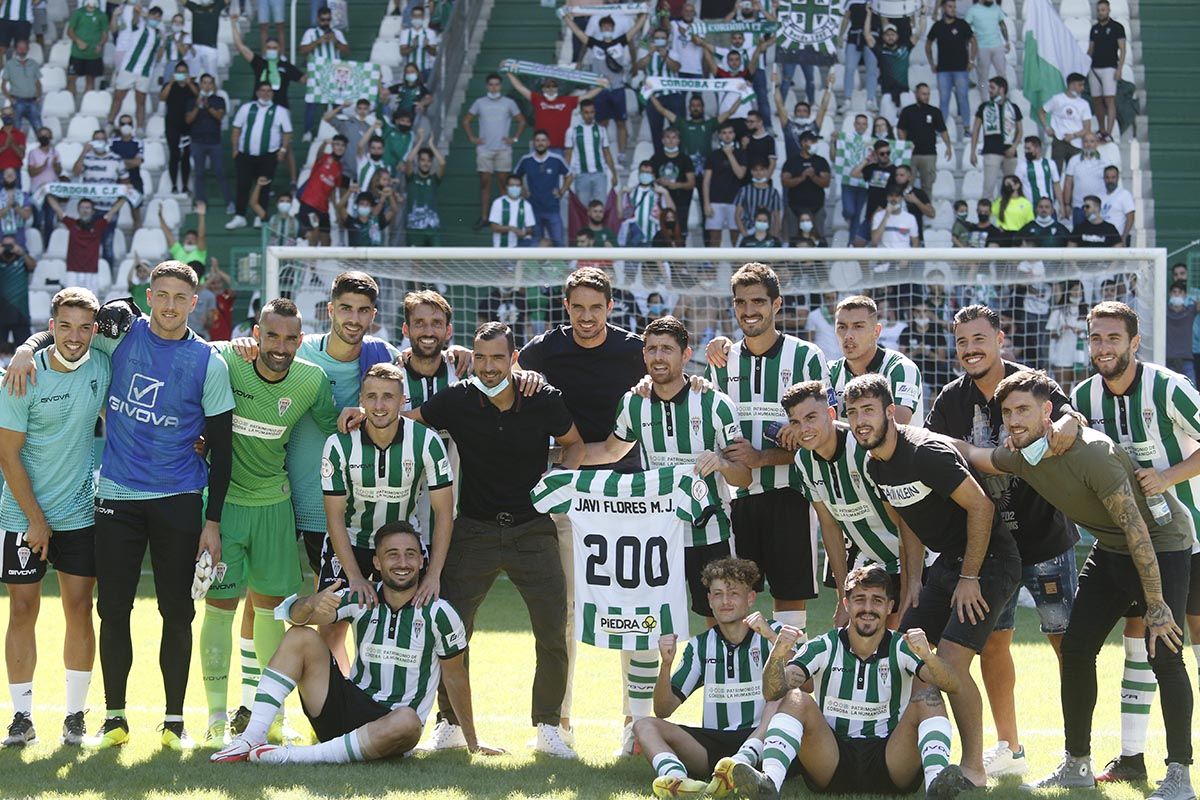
[43,140]
[403,128]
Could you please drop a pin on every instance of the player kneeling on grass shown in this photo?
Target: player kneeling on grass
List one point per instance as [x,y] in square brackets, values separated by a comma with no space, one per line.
[402,651]
[876,721]
[727,660]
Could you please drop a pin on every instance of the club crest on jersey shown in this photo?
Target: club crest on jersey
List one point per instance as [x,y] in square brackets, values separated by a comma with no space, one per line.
[885,675]
[408,466]
[284,404]
[23,554]
[1148,416]
[756,657]
[785,376]
[219,571]
[336,565]
[95,388]
[699,491]
[326,468]
[695,426]
[418,628]
[856,479]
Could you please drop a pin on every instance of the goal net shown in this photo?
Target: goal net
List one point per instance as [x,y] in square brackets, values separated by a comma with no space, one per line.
[1042,294]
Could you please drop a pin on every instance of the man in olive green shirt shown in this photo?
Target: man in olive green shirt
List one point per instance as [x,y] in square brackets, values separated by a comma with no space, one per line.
[1142,554]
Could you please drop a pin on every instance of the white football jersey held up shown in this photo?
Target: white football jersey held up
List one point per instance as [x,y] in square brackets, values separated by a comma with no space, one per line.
[629,531]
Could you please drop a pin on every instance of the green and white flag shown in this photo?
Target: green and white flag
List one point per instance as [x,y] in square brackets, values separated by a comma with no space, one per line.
[571,74]
[1051,53]
[853,148]
[753,26]
[809,25]
[604,10]
[664,85]
[335,82]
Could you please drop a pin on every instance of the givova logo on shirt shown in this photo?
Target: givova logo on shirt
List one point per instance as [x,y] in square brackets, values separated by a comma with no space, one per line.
[140,402]
[617,624]
[906,494]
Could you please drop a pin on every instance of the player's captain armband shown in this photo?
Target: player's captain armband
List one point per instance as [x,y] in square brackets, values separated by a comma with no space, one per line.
[283,610]
[908,391]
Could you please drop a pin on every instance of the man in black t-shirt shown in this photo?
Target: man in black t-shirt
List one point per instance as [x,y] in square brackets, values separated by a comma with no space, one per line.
[1094,231]
[593,364]
[878,171]
[1106,46]
[967,409]
[675,172]
[916,201]
[921,124]
[956,55]
[928,482]
[1045,230]
[806,176]
[725,170]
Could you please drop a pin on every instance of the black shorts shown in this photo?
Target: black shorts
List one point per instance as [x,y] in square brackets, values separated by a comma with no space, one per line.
[862,769]
[85,67]
[346,707]
[717,744]
[694,559]
[314,542]
[331,568]
[306,215]
[771,529]
[13,31]
[72,552]
[1138,608]
[998,579]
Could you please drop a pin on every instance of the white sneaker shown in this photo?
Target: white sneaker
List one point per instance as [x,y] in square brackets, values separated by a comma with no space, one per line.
[238,749]
[307,137]
[550,742]
[447,737]
[237,222]
[566,734]
[1001,760]
[270,754]
[258,222]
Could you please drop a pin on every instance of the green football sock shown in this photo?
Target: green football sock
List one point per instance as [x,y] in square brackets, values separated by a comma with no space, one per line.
[268,633]
[216,652]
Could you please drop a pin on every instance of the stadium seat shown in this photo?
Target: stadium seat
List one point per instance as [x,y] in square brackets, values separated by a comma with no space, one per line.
[81,129]
[171,213]
[49,272]
[55,126]
[1079,9]
[149,244]
[1112,152]
[119,247]
[386,53]
[311,304]
[96,103]
[54,78]
[155,158]
[33,242]
[39,306]
[1080,28]
[938,237]
[69,151]
[390,27]
[972,189]
[57,247]
[103,275]
[121,279]
[59,104]
[60,54]
[156,128]
[57,11]
[943,186]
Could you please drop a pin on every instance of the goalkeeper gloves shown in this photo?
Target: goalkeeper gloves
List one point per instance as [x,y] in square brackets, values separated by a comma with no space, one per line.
[205,571]
[116,317]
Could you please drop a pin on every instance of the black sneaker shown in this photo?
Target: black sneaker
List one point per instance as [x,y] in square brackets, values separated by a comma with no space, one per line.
[20,731]
[114,732]
[1129,769]
[239,721]
[74,729]
[175,737]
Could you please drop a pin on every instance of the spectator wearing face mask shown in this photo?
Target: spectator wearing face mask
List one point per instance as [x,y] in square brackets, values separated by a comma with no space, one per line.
[176,94]
[675,173]
[805,177]
[140,65]
[1000,121]
[366,225]
[410,96]
[1083,176]
[802,120]
[354,125]
[611,58]
[98,164]
[1012,211]
[879,173]
[88,31]
[194,246]
[325,176]
[921,124]
[1070,117]
[419,44]
[806,232]
[271,65]
[203,116]
[552,110]
[658,63]
[22,84]
[547,179]
[511,217]
[758,193]
[670,233]
[12,141]
[84,241]
[15,267]
[370,156]
[1039,175]
[646,202]
[44,167]
[283,229]
[916,201]
[1045,230]
[984,232]
[133,152]
[16,208]
[262,132]
[760,234]
[725,171]
[892,227]
[206,20]
[1181,316]
[1117,206]
[960,231]
[493,146]
[893,51]
[321,41]
[1093,231]
[177,47]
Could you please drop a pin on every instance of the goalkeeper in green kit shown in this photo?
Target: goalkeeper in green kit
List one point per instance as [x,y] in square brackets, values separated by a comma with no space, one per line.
[258,531]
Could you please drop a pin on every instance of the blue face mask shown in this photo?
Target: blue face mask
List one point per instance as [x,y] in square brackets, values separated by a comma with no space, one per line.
[490,391]
[1036,451]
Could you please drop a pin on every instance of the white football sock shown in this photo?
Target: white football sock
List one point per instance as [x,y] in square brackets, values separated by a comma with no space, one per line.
[250,671]
[341,750]
[797,619]
[750,752]
[933,740]
[22,697]
[273,689]
[1137,694]
[668,764]
[640,670]
[78,683]
[780,746]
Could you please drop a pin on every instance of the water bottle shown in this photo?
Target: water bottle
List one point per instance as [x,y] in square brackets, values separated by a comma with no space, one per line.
[1159,509]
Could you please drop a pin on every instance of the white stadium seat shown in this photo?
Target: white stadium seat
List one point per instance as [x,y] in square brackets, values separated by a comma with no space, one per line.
[59,104]
[1079,9]
[170,209]
[33,242]
[149,244]
[57,247]
[156,128]
[96,103]
[49,271]
[39,306]
[390,27]
[386,53]
[155,156]
[60,53]
[81,129]
[68,153]
[54,78]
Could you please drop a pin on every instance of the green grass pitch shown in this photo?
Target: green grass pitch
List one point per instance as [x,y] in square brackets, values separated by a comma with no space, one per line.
[501,671]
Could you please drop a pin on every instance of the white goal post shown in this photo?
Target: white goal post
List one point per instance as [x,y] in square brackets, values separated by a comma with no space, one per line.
[523,285]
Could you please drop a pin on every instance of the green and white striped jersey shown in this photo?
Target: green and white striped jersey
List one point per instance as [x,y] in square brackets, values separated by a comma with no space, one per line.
[1157,422]
[417,389]
[629,532]
[144,53]
[587,144]
[18,11]
[853,499]
[673,432]
[326,51]
[382,485]
[398,653]
[859,699]
[731,675]
[757,383]
[903,376]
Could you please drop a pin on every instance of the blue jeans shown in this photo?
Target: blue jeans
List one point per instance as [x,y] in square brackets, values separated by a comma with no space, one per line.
[45,220]
[958,83]
[763,96]
[854,54]
[787,72]
[204,156]
[1052,583]
[548,225]
[854,199]
[30,110]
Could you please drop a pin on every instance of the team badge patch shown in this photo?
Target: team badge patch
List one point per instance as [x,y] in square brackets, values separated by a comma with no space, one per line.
[284,404]
[95,388]
[695,426]
[418,628]
[326,468]
[1148,416]
[219,571]
[336,565]
[23,555]
[408,466]
[785,376]
[699,491]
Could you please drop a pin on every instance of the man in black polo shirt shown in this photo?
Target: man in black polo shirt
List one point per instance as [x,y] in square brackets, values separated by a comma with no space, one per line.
[806,176]
[593,364]
[1094,231]
[725,170]
[1045,230]
[925,479]
[921,124]
[503,442]
[967,409]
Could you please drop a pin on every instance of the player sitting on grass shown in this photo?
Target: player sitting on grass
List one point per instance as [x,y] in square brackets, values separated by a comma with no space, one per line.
[876,720]
[727,660]
[402,651]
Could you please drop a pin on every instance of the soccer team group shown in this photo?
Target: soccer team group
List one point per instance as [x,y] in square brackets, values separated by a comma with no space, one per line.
[219,457]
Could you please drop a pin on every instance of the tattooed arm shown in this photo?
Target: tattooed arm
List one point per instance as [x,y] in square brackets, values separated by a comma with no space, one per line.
[779,676]
[1160,623]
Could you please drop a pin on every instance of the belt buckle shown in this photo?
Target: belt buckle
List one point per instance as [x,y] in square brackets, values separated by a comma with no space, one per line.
[504,519]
